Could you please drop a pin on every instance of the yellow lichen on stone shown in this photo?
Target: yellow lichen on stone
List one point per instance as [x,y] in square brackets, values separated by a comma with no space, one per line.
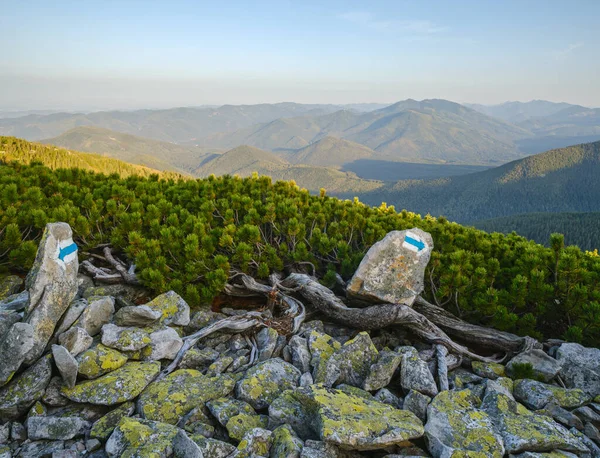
[104,427]
[100,360]
[142,438]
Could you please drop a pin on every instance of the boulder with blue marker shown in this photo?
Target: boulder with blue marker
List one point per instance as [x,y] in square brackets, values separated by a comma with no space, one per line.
[393,269]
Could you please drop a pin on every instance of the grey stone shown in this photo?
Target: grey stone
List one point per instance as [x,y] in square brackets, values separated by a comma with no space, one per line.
[563,416]
[68,453]
[140,315]
[306,379]
[136,437]
[286,443]
[15,303]
[52,285]
[592,432]
[66,364]
[352,362]
[18,432]
[21,393]
[287,409]
[7,319]
[98,313]
[13,348]
[9,285]
[587,414]
[196,358]
[545,367]
[580,367]
[173,309]
[39,449]
[219,366]
[417,403]
[266,340]
[76,340]
[72,314]
[387,397]
[91,445]
[536,395]
[203,318]
[415,374]
[263,383]
[255,442]
[55,428]
[593,449]
[393,269]
[300,354]
[223,409]
[52,395]
[184,447]
[490,371]
[322,347]
[212,448]
[164,344]
[381,373]
[4,433]
[455,426]
[124,339]
[553,454]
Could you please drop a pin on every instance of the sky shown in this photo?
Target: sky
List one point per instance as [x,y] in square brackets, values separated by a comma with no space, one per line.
[128,54]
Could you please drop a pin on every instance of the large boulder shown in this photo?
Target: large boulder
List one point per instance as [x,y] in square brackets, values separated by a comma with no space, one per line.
[580,367]
[536,395]
[544,367]
[263,383]
[455,427]
[169,399]
[354,422]
[116,387]
[17,342]
[52,284]
[393,269]
[21,393]
[415,373]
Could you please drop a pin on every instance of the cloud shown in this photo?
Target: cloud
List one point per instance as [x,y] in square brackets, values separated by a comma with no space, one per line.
[412,26]
[563,53]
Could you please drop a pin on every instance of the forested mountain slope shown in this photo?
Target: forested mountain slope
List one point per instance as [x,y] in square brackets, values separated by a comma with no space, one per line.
[581,229]
[516,112]
[561,180]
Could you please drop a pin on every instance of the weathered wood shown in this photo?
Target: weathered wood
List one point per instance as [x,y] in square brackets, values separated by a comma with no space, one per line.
[375,316]
[128,275]
[472,333]
[442,367]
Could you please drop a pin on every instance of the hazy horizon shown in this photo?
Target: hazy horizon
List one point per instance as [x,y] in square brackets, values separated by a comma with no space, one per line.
[92,56]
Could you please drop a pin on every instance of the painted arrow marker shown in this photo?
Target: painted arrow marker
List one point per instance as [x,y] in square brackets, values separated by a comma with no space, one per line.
[66,251]
[414,243]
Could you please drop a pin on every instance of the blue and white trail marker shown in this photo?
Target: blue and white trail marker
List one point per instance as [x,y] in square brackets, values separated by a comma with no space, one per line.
[67,250]
[414,243]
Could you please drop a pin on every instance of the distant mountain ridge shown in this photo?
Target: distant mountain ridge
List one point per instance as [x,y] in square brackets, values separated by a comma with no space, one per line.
[516,112]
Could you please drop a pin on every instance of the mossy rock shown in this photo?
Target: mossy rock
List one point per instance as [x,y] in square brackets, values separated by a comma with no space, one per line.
[173,309]
[99,361]
[136,438]
[263,383]
[256,443]
[213,448]
[103,428]
[488,370]
[322,347]
[357,423]
[285,443]
[536,395]
[169,399]
[123,384]
[456,427]
[240,424]
[225,408]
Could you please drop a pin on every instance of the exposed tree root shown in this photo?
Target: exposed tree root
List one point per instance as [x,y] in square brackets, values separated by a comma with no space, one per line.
[119,274]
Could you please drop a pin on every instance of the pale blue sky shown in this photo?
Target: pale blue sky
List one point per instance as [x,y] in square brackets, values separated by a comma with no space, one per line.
[89,54]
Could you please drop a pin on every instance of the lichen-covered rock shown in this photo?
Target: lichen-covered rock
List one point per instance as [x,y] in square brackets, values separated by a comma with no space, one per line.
[98,313]
[198,358]
[580,367]
[321,347]
[116,387]
[66,365]
[381,373]
[491,371]
[52,284]
[124,339]
[357,423]
[263,383]
[219,366]
[139,316]
[553,454]
[15,345]
[544,367]
[287,409]
[417,403]
[240,424]
[256,443]
[562,416]
[415,373]
[55,428]
[352,362]
[393,269]
[173,309]
[169,399]
[455,427]
[76,340]
[103,427]
[225,408]
[99,360]
[387,397]
[524,431]
[286,443]
[536,395]
[184,447]
[21,393]
[134,437]
[52,395]
[38,449]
